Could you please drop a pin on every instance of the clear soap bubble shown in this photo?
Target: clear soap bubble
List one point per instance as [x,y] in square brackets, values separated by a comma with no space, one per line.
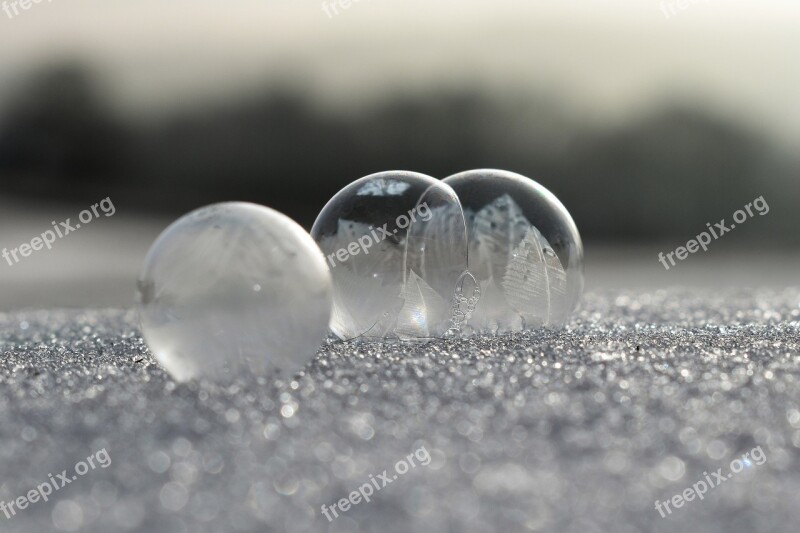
[234,288]
[395,243]
[525,253]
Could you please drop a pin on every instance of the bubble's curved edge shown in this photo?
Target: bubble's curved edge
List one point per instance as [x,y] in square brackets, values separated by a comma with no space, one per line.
[359,182]
[495,172]
[315,228]
[302,237]
[546,193]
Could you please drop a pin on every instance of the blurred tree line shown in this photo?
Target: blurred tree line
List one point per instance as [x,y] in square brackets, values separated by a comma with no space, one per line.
[662,176]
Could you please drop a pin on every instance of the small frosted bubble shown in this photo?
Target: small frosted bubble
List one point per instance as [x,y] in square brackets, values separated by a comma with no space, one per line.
[232,289]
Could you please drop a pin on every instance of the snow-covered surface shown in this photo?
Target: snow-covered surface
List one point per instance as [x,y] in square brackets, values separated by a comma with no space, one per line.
[580,429]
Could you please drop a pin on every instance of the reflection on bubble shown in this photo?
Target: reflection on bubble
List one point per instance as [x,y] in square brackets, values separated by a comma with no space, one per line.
[395,243]
[525,253]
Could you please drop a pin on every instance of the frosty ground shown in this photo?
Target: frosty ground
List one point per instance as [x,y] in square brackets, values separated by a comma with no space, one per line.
[580,429]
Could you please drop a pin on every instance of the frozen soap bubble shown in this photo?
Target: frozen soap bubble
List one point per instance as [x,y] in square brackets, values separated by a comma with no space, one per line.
[525,252]
[234,288]
[395,243]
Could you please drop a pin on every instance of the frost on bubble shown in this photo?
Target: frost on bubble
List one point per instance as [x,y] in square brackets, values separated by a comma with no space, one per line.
[396,245]
[419,302]
[516,267]
[424,263]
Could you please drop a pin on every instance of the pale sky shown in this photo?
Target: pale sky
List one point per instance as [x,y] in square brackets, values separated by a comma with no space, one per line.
[606,58]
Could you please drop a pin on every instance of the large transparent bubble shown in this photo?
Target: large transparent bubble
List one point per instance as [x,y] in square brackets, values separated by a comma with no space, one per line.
[231,288]
[395,243]
[525,253]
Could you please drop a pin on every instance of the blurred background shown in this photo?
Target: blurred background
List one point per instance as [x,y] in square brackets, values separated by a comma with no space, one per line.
[648,119]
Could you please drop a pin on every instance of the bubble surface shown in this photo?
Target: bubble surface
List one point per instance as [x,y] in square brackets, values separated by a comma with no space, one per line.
[395,243]
[525,253]
[233,288]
